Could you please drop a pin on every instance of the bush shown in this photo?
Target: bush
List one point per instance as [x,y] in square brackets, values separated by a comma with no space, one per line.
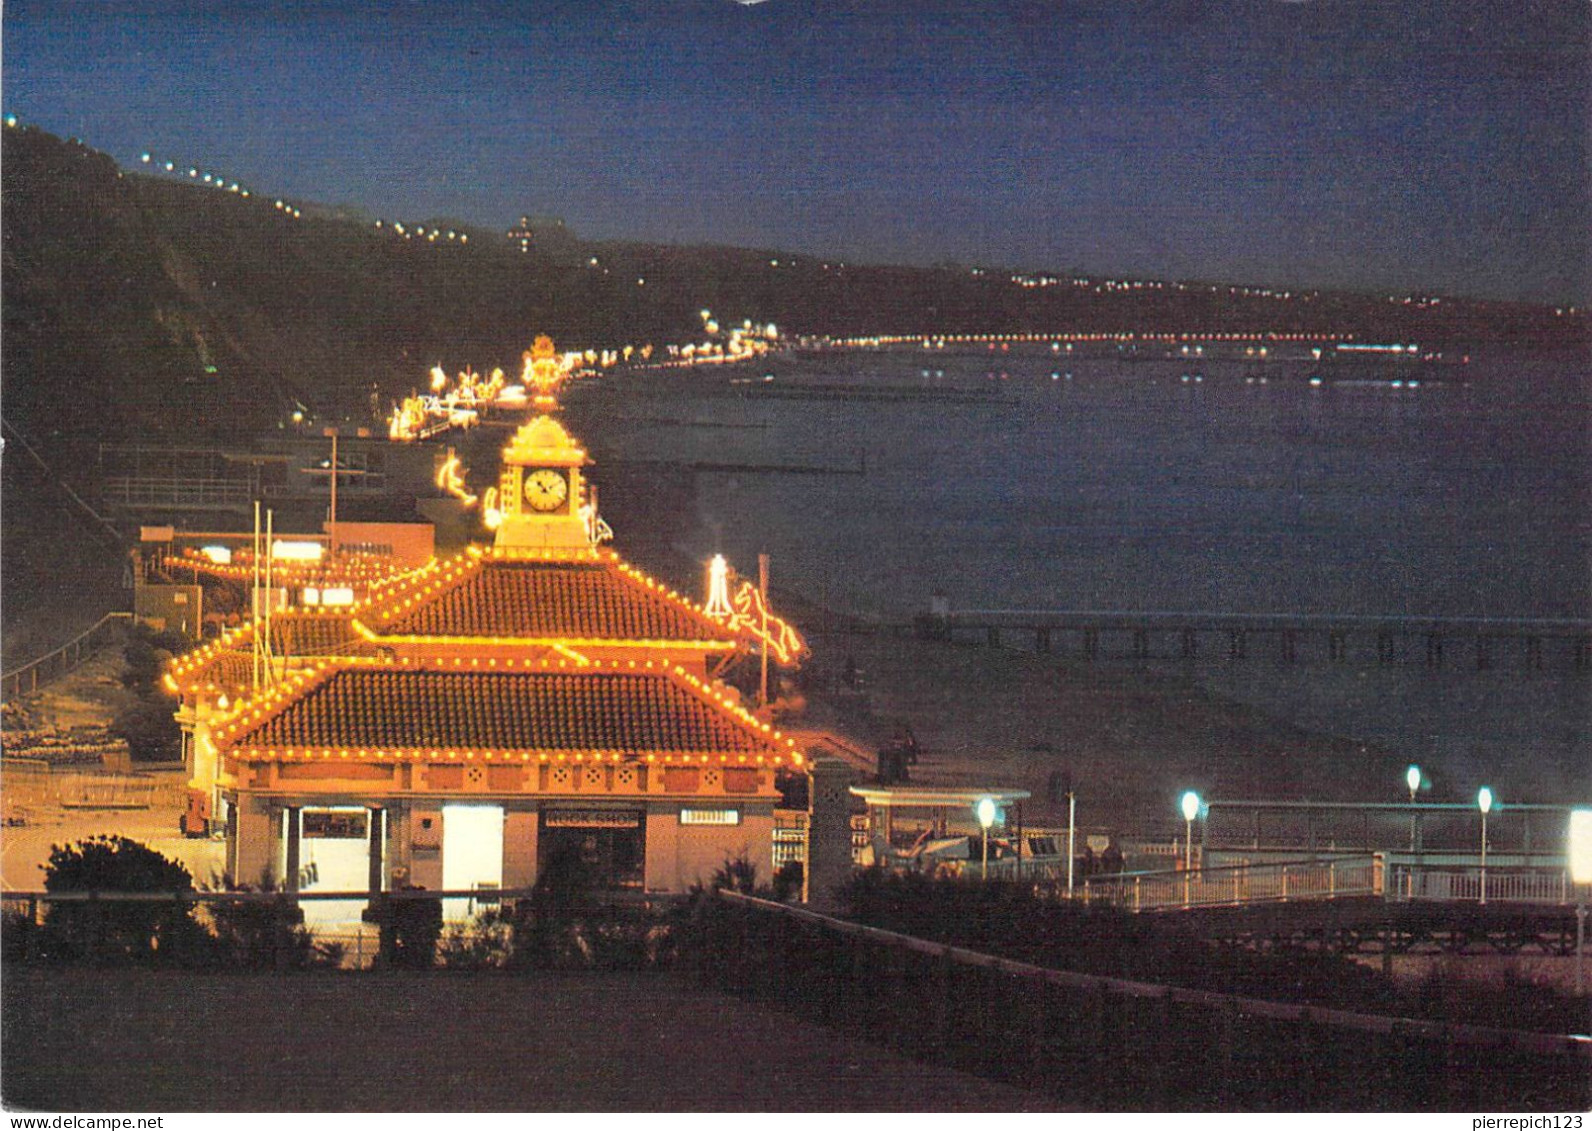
[258,935]
[149,726]
[485,943]
[146,653]
[152,933]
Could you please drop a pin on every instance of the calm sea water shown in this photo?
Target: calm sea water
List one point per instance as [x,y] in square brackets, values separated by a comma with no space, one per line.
[1031,479]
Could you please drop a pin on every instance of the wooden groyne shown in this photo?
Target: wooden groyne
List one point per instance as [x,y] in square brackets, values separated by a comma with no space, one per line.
[1480,643]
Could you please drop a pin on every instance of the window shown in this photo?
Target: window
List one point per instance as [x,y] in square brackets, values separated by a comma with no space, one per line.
[710,816]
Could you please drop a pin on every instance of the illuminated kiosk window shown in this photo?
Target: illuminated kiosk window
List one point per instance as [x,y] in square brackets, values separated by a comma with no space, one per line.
[472,855]
[710,816]
[334,855]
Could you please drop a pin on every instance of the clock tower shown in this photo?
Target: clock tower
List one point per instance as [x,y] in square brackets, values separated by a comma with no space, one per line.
[541,493]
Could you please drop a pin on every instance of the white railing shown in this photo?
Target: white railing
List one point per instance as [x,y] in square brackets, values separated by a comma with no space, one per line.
[1295,881]
[1504,885]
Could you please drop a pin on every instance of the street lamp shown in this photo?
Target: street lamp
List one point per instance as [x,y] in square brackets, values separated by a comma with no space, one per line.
[1191,809]
[1484,802]
[986,818]
[1412,778]
[1580,854]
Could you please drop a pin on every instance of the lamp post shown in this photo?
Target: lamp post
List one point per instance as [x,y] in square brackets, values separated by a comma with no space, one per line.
[1412,778]
[986,818]
[1484,802]
[1072,813]
[1191,808]
[1580,856]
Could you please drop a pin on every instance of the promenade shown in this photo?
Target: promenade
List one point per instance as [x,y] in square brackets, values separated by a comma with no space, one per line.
[133,1040]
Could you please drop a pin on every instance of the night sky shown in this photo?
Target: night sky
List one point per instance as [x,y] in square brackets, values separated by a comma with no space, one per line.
[1387,145]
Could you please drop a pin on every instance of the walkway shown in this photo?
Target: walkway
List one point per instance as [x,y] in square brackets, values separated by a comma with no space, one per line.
[85,1040]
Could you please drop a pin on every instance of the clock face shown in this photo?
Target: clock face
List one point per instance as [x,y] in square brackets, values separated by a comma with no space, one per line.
[546,490]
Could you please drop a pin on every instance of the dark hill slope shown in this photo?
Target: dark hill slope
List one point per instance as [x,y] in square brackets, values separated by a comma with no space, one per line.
[136,304]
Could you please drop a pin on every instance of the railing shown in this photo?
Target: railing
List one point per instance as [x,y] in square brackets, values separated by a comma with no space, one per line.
[1097,1040]
[1293,881]
[1434,883]
[133,492]
[33,781]
[53,665]
[343,922]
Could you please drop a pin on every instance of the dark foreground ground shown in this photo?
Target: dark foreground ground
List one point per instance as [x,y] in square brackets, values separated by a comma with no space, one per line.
[130,1040]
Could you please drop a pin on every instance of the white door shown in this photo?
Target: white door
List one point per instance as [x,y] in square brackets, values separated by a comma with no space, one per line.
[472,854]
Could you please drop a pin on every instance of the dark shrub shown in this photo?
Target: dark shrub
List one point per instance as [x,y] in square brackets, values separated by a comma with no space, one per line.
[162,932]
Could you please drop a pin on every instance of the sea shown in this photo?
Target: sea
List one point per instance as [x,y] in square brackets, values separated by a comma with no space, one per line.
[1104,476]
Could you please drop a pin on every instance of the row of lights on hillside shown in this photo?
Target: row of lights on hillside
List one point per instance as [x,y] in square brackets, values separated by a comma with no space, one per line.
[430,235]
[215,180]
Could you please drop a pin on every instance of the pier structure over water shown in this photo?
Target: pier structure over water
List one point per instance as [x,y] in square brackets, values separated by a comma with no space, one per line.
[1519,643]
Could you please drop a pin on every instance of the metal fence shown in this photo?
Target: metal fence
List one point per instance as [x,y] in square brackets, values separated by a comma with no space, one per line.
[336,921]
[37,782]
[1292,881]
[1304,826]
[53,665]
[1111,1043]
[1502,885]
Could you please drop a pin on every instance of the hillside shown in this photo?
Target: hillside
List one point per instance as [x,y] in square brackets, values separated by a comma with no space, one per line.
[136,304]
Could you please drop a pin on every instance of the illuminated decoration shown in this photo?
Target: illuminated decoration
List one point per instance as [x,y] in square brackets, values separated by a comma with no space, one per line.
[544,667]
[597,530]
[450,478]
[452,403]
[752,617]
[407,420]
[356,569]
[545,371]
[748,615]
[718,602]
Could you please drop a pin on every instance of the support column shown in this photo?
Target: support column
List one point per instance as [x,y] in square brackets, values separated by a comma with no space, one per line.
[828,830]
[290,869]
[376,871]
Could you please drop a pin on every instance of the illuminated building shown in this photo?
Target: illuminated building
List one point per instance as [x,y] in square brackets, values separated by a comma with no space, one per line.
[456,727]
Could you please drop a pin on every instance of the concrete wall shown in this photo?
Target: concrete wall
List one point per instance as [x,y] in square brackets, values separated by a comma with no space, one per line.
[519,847]
[681,855]
[258,841]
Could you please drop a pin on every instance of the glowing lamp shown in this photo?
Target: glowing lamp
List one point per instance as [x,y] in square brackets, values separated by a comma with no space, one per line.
[985,811]
[1580,850]
[1412,778]
[1190,805]
[1484,800]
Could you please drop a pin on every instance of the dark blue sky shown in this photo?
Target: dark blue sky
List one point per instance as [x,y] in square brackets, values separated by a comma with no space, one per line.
[1390,144]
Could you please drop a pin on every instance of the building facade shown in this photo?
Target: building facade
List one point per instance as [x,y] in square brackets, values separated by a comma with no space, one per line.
[476,721]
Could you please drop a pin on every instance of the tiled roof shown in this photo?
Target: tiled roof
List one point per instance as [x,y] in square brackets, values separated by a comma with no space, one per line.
[377,708]
[585,598]
[313,634]
[228,662]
